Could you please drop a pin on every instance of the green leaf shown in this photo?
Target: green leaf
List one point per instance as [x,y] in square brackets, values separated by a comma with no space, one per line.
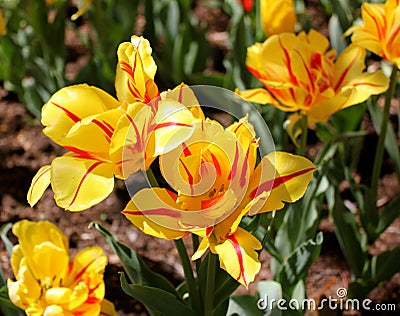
[385,265]
[388,215]
[336,34]
[3,235]
[156,300]
[390,141]
[6,306]
[349,236]
[243,305]
[135,268]
[296,266]
[269,291]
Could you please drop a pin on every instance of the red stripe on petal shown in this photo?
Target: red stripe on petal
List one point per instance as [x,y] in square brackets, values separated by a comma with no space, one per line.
[216,164]
[169,124]
[156,211]
[91,168]
[104,127]
[239,254]
[186,150]
[274,183]
[71,115]
[79,275]
[205,204]
[41,175]
[233,171]
[344,73]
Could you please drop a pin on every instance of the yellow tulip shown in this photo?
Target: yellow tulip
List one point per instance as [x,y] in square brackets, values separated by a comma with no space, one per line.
[217,182]
[300,73]
[277,16]
[47,283]
[380,31]
[108,137]
[134,81]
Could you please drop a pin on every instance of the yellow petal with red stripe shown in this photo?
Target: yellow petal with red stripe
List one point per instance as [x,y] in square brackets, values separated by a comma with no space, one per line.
[39,184]
[71,104]
[238,256]
[279,177]
[257,95]
[92,135]
[149,207]
[185,95]
[80,183]
[135,72]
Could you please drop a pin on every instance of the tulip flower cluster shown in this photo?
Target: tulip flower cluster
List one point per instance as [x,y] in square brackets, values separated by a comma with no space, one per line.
[47,283]
[302,74]
[211,170]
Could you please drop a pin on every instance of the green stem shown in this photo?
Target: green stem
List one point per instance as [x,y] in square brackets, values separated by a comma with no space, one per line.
[210,284]
[189,277]
[376,171]
[301,150]
[196,243]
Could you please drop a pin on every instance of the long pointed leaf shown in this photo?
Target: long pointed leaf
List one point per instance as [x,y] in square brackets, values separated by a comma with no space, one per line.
[135,268]
[156,299]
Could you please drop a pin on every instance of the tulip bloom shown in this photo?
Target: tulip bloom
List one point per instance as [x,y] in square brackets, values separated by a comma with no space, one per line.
[277,16]
[380,32]
[216,183]
[93,126]
[47,283]
[300,73]
[247,4]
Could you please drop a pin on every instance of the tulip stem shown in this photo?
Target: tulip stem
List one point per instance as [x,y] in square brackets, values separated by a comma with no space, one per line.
[189,277]
[376,171]
[301,150]
[196,243]
[210,284]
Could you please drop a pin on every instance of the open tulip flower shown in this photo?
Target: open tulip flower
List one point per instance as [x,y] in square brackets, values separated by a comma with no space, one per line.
[216,183]
[92,126]
[47,283]
[300,73]
[380,31]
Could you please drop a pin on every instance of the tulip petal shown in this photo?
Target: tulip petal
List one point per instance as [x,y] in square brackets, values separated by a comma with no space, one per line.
[135,72]
[80,183]
[173,126]
[92,135]
[107,308]
[258,95]
[348,66]
[39,184]
[71,104]
[238,256]
[277,16]
[161,204]
[184,95]
[280,177]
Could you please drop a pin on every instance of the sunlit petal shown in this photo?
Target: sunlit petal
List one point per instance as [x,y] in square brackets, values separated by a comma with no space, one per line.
[39,184]
[279,177]
[238,256]
[71,104]
[80,183]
